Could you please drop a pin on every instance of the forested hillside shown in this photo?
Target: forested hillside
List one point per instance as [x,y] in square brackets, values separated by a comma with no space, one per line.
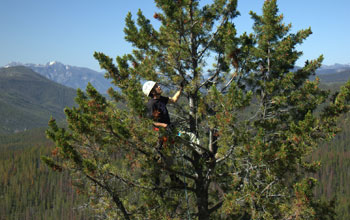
[334,175]
[28,189]
[28,99]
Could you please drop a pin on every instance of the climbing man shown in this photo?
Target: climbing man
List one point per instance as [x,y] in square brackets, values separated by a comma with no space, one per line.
[156,106]
[158,112]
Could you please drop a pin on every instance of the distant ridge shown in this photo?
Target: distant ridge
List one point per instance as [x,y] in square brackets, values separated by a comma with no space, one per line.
[71,76]
[335,68]
[336,77]
[78,77]
[27,99]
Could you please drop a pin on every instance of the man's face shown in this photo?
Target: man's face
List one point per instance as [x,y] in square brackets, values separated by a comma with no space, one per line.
[157,90]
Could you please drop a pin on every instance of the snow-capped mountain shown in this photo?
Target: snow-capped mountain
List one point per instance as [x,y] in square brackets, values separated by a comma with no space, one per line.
[335,68]
[71,76]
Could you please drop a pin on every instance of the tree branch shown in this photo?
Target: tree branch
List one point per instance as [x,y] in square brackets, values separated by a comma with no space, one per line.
[216,207]
[213,76]
[224,20]
[114,195]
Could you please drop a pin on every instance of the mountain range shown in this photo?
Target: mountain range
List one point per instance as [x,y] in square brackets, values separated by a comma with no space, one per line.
[71,76]
[335,68]
[78,77]
[27,99]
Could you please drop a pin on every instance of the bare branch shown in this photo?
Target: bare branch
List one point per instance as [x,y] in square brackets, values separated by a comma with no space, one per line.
[224,20]
[267,187]
[212,77]
[226,156]
[234,75]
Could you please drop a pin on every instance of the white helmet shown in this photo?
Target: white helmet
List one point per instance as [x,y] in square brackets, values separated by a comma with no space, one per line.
[147,87]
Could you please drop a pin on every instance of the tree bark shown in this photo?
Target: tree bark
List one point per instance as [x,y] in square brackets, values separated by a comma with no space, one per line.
[202,199]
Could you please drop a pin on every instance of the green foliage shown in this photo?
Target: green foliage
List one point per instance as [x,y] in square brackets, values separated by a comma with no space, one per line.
[256,121]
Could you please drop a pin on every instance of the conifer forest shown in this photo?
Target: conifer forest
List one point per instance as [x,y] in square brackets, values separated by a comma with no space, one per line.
[251,136]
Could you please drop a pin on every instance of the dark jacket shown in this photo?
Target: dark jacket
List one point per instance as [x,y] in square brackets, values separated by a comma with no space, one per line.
[157,110]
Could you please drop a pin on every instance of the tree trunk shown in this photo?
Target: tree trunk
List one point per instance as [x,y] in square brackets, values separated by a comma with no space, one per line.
[202,199]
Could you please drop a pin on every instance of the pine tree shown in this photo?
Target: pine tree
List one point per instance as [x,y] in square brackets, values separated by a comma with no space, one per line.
[256,120]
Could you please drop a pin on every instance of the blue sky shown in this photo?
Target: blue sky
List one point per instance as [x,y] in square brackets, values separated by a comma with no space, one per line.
[69,31]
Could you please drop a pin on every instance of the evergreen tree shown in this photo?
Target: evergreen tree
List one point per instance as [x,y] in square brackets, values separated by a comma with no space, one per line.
[255,119]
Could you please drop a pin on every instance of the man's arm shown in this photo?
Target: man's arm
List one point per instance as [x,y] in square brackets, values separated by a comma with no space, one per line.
[176,96]
[158,124]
